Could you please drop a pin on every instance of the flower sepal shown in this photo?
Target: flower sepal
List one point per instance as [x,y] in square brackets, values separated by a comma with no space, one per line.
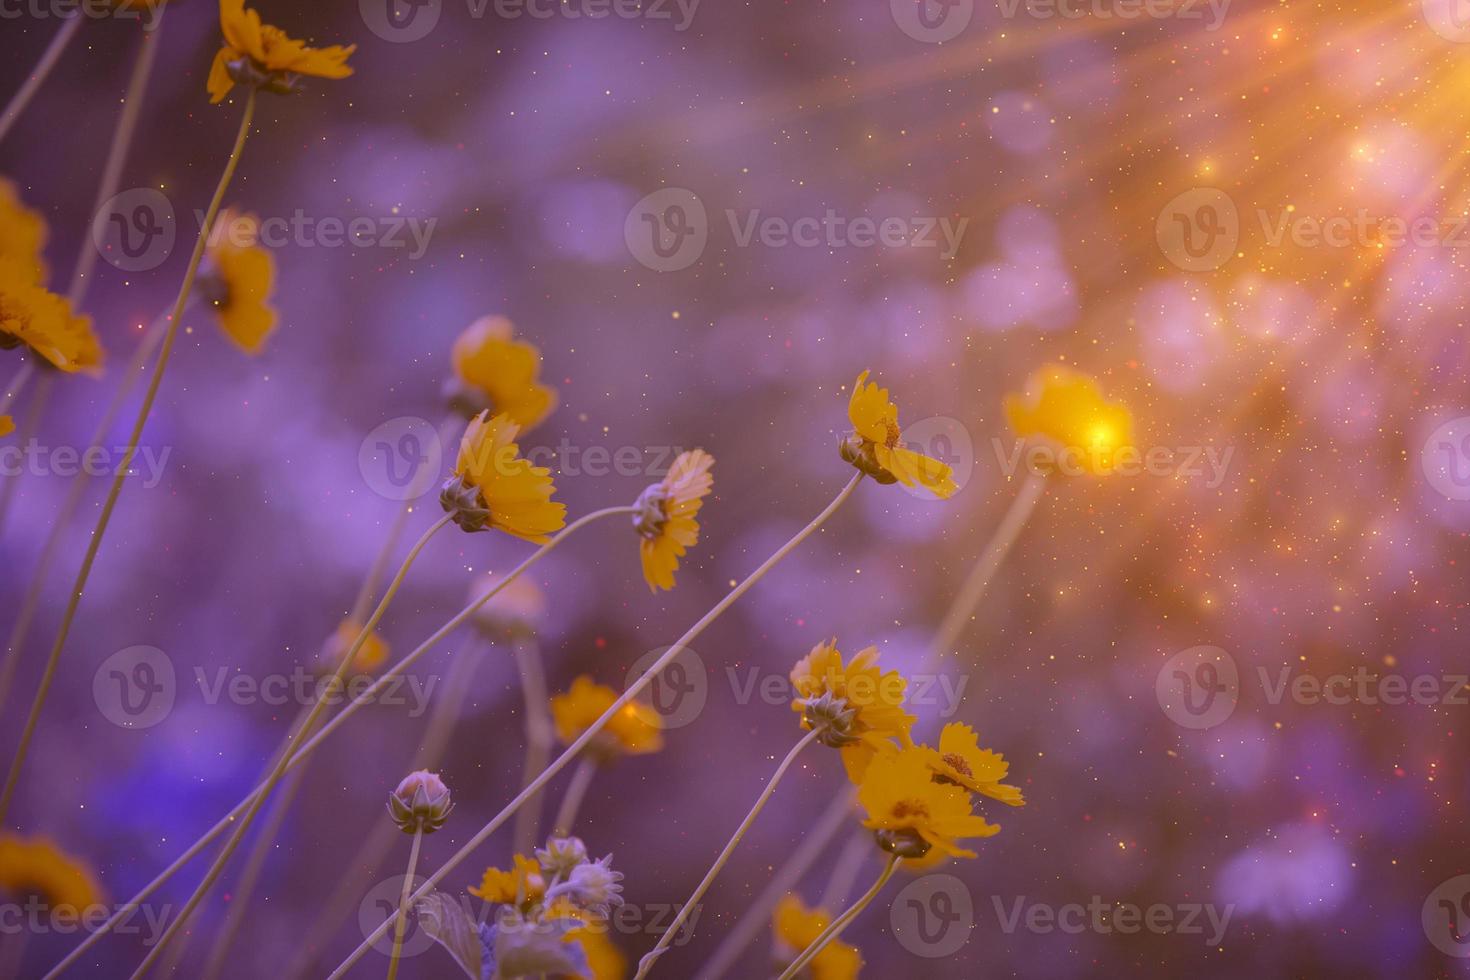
[832,718]
[465,501]
[859,452]
[651,513]
[904,843]
[244,71]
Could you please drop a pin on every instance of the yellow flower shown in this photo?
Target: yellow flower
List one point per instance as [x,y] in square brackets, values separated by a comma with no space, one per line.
[44,322]
[36,866]
[634,730]
[606,961]
[241,278]
[1067,408]
[962,761]
[796,927]
[22,233]
[493,487]
[861,706]
[523,885]
[912,811]
[262,55]
[7,425]
[370,656]
[667,516]
[875,447]
[493,368]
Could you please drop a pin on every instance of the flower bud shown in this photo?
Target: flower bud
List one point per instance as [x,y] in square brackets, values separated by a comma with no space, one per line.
[651,511]
[562,855]
[832,716]
[421,802]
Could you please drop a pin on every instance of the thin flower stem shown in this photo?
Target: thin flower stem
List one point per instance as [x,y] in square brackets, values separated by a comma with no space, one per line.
[646,964]
[413,865]
[842,921]
[951,626]
[16,385]
[782,883]
[571,803]
[105,516]
[49,57]
[303,752]
[336,684]
[539,737]
[574,750]
[62,522]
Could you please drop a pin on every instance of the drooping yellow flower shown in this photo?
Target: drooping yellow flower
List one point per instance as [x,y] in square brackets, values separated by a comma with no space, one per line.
[961,760]
[667,516]
[861,707]
[36,866]
[912,811]
[22,233]
[635,730]
[1066,408]
[498,372]
[494,487]
[523,885]
[876,446]
[370,656]
[796,927]
[261,55]
[7,425]
[44,322]
[241,276]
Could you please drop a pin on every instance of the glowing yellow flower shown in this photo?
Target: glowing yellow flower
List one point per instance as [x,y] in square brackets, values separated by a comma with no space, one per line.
[796,927]
[370,656]
[667,516]
[7,425]
[36,866]
[22,233]
[261,55]
[1067,408]
[876,446]
[861,707]
[493,487]
[497,372]
[44,322]
[913,812]
[241,277]
[635,730]
[962,761]
[523,885]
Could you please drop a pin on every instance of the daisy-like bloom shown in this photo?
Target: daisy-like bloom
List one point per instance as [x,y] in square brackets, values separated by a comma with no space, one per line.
[370,656]
[960,760]
[876,444]
[523,886]
[562,855]
[23,232]
[635,730]
[495,372]
[238,281]
[493,487]
[592,886]
[667,516]
[1066,408]
[265,57]
[858,707]
[36,866]
[44,322]
[913,812]
[421,802]
[796,927]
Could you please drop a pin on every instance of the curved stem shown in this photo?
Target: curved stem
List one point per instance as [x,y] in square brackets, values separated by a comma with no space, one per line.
[960,611]
[571,803]
[337,683]
[646,964]
[16,385]
[105,517]
[842,921]
[303,752]
[540,736]
[413,865]
[32,84]
[581,742]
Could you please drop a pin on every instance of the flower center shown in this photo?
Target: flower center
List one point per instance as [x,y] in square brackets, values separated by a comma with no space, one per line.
[905,809]
[893,433]
[958,764]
